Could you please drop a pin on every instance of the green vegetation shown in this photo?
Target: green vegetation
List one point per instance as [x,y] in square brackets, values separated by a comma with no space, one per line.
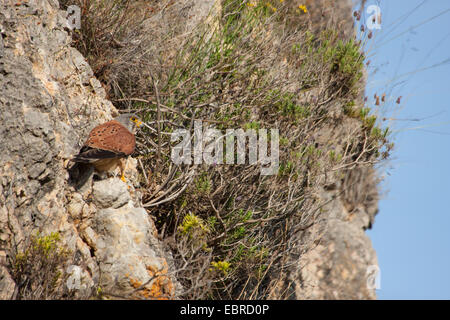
[203,184]
[222,266]
[38,269]
[193,226]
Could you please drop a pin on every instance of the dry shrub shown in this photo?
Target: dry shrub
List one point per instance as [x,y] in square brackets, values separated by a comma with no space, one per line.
[232,230]
[108,32]
[39,269]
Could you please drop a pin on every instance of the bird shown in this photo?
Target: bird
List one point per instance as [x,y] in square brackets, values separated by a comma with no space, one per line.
[110,143]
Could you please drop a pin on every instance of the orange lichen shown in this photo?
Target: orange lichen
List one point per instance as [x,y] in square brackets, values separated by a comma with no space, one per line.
[160,288]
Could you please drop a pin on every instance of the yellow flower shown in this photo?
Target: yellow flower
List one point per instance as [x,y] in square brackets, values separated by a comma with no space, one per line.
[251,4]
[281,1]
[303,8]
[271,7]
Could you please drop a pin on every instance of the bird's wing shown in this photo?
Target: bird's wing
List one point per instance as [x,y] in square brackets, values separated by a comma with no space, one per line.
[89,155]
[108,140]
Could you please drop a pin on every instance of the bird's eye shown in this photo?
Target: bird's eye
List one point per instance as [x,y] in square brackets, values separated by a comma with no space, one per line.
[133,119]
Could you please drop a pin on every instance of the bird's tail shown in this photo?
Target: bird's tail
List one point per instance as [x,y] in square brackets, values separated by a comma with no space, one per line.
[79,173]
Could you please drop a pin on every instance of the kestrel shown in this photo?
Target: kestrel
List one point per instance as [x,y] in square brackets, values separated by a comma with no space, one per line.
[110,143]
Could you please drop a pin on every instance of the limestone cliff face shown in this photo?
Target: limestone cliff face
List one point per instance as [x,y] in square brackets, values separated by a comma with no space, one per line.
[50,100]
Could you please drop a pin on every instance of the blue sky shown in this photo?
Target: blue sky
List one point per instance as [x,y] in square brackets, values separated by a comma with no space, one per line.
[411,232]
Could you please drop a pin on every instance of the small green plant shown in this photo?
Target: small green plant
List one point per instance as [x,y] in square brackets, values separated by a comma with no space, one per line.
[193,225]
[252,125]
[363,113]
[203,184]
[335,157]
[38,270]
[289,107]
[346,61]
[284,141]
[222,266]
[99,292]
[286,168]
[369,122]
[351,111]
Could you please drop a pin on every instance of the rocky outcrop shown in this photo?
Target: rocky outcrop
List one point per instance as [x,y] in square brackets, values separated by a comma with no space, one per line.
[49,102]
[339,263]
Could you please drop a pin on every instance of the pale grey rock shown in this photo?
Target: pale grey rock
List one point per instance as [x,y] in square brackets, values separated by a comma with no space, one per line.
[79,280]
[7,284]
[337,267]
[110,193]
[37,122]
[36,170]
[129,255]
[98,88]
[74,279]
[75,206]
[90,237]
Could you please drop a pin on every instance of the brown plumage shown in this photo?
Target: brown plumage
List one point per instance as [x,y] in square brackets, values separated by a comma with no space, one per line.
[109,144]
[112,136]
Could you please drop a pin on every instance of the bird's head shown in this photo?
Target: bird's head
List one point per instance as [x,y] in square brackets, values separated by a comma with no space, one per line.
[130,121]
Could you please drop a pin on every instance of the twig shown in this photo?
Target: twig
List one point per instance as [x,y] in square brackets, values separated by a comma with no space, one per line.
[158,118]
